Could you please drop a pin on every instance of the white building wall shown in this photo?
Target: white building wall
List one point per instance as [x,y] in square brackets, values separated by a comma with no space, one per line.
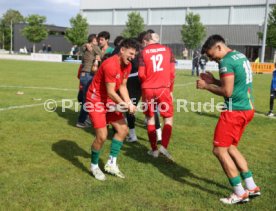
[100,17]
[248,15]
[168,16]
[121,16]
[213,16]
[173,12]
[139,4]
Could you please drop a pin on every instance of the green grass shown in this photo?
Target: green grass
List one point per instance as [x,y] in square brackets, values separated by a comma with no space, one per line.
[44,158]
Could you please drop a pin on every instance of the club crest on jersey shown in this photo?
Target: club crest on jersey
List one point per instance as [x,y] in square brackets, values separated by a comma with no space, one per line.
[118,76]
[223,70]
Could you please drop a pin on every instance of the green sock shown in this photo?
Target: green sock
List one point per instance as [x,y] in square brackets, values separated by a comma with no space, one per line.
[236,185]
[95,155]
[115,147]
[235,181]
[245,175]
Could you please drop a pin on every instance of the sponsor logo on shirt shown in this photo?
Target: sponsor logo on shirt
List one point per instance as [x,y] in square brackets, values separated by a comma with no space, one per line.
[155,50]
[223,70]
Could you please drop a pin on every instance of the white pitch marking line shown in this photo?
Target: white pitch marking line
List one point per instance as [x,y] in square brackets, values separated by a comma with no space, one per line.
[186,84]
[53,88]
[37,87]
[28,106]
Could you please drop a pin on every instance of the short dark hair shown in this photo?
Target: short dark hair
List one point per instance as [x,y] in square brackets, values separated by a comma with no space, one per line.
[104,34]
[129,43]
[91,37]
[118,40]
[150,31]
[147,36]
[141,36]
[211,41]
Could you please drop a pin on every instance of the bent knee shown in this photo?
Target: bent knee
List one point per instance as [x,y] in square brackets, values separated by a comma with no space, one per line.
[123,131]
[218,151]
[101,138]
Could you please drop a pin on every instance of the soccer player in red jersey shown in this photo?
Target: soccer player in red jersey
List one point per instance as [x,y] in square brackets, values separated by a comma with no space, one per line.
[157,73]
[102,98]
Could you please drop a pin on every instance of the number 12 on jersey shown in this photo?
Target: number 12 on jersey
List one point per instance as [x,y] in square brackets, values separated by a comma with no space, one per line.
[157,62]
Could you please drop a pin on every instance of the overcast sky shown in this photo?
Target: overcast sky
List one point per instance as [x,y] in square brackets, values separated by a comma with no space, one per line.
[57,12]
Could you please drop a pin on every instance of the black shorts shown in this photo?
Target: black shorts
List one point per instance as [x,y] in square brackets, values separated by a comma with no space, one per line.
[134,89]
[273,94]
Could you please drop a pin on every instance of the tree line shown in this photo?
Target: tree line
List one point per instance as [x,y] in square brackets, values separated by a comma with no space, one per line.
[192,33]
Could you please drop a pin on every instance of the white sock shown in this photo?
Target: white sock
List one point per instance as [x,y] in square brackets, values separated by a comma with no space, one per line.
[132,132]
[94,166]
[238,189]
[250,184]
[112,160]
[159,134]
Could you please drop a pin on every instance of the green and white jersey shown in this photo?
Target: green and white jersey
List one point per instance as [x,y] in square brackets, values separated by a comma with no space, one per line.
[236,63]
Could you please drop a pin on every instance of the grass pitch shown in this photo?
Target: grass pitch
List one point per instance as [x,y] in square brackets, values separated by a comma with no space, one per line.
[44,162]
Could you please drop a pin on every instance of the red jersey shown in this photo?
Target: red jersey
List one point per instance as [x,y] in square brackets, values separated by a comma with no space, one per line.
[156,66]
[110,71]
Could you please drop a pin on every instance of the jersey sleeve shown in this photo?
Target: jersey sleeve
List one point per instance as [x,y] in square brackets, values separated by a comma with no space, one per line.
[141,69]
[172,70]
[109,74]
[225,68]
[128,70]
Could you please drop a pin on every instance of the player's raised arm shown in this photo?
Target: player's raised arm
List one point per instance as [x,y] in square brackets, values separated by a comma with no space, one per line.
[225,89]
[172,73]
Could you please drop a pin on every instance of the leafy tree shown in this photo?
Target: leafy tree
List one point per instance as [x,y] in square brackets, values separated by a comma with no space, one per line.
[78,32]
[271,28]
[193,31]
[35,31]
[134,26]
[10,16]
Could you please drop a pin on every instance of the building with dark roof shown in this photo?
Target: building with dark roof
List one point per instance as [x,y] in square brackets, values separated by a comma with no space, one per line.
[238,21]
[55,38]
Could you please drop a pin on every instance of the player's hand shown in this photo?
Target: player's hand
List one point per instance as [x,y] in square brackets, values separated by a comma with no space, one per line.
[132,108]
[201,84]
[98,58]
[208,77]
[88,47]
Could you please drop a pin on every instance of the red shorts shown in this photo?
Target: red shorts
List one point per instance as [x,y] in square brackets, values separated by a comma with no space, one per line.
[158,98]
[230,127]
[100,116]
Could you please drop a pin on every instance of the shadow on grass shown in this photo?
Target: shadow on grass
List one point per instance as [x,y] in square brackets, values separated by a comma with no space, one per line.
[71,117]
[172,170]
[70,151]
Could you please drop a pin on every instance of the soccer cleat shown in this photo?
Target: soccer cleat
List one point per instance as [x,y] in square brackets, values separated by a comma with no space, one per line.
[255,192]
[82,125]
[88,121]
[114,170]
[154,153]
[165,152]
[132,138]
[270,114]
[98,174]
[235,199]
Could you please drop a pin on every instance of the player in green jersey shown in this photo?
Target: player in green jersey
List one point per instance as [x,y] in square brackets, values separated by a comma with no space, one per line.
[235,85]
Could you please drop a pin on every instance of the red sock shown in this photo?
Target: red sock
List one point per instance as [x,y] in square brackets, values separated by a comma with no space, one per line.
[152,137]
[166,135]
